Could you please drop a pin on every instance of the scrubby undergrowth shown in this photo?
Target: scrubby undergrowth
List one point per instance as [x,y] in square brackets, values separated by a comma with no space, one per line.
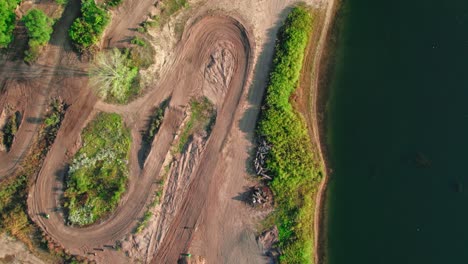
[98,173]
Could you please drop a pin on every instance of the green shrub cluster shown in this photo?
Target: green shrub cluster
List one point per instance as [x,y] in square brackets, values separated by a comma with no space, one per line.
[87,29]
[98,173]
[61,2]
[138,41]
[53,121]
[155,122]
[113,2]
[114,76]
[290,160]
[7,21]
[9,130]
[39,27]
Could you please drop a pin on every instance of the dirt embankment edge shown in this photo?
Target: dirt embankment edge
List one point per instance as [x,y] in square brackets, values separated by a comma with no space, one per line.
[318,101]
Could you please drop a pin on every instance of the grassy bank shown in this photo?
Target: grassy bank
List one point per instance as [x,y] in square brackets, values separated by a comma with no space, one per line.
[98,173]
[291,160]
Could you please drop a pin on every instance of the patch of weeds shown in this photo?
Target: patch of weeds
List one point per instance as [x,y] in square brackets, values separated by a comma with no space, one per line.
[202,119]
[97,175]
[169,8]
[143,222]
[142,55]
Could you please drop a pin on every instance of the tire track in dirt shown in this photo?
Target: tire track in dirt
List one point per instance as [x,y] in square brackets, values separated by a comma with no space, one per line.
[179,236]
[185,79]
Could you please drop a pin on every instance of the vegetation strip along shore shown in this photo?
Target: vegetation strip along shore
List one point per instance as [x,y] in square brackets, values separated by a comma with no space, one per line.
[290,160]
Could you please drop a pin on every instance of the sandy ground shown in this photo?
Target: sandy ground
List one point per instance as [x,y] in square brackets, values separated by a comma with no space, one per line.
[209,219]
[15,252]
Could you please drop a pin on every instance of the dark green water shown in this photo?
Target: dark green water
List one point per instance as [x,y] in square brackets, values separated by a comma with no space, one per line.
[400,88]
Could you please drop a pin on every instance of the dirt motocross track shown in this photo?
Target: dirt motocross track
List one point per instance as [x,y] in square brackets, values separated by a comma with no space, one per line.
[186,79]
[214,58]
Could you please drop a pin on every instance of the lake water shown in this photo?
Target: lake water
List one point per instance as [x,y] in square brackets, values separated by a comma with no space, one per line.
[398,134]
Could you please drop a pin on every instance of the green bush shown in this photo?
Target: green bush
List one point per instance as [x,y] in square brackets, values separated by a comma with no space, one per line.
[61,2]
[9,130]
[113,75]
[138,41]
[290,160]
[88,29]
[98,173]
[113,2]
[39,27]
[7,21]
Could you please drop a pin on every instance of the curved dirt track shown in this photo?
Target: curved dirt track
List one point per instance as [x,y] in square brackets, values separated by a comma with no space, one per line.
[185,80]
[222,30]
[34,84]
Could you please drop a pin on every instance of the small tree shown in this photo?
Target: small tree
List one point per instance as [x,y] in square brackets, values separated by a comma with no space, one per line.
[39,27]
[7,21]
[113,75]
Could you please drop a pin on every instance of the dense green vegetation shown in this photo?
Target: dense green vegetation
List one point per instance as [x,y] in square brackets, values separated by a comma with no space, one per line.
[201,119]
[9,130]
[114,76]
[39,27]
[290,160]
[98,173]
[87,29]
[7,21]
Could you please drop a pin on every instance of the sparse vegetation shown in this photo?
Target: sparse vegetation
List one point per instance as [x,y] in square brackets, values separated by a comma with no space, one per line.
[9,130]
[142,55]
[290,160]
[201,119]
[169,8]
[86,30]
[143,222]
[7,21]
[39,27]
[14,192]
[114,76]
[98,173]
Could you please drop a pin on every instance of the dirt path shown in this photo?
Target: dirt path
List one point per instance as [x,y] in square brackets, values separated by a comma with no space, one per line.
[185,78]
[213,30]
[35,84]
[130,15]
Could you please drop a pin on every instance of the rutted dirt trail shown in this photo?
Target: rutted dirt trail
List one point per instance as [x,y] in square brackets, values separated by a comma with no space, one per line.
[184,81]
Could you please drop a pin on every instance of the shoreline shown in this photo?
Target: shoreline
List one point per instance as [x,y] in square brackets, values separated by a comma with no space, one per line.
[318,129]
